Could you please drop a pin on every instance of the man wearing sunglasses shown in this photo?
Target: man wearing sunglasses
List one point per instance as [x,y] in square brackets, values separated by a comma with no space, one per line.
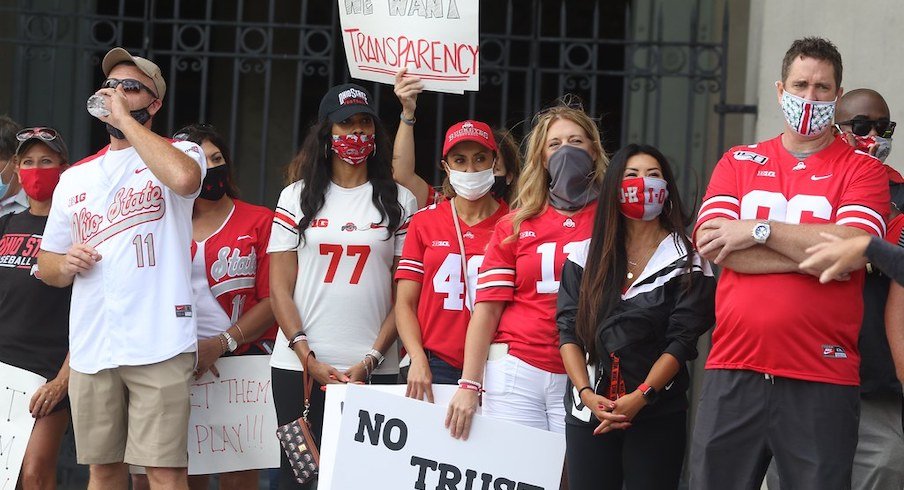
[865,123]
[118,232]
[12,197]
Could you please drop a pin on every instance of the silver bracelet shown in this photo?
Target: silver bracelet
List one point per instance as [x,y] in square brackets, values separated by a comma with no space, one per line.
[409,122]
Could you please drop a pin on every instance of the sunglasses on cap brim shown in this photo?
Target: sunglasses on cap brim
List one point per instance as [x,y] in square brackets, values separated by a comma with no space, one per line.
[128,84]
[862,127]
[46,134]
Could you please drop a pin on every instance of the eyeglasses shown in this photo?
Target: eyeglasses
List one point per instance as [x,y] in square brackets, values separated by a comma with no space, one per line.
[46,134]
[862,127]
[128,84]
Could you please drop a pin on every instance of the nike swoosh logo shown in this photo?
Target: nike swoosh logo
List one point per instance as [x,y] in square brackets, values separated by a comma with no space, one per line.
[243,237]
[142,169]
[819,177]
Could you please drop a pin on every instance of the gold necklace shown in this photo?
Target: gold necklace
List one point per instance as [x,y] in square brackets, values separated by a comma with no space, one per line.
[631,263]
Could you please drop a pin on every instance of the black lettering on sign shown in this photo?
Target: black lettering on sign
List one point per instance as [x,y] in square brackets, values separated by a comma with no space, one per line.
[449,476]
[375,428]
[422,464]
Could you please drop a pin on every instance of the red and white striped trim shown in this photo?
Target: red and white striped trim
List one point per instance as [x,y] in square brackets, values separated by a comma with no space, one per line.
[496,277]
[862,217]
[411,266]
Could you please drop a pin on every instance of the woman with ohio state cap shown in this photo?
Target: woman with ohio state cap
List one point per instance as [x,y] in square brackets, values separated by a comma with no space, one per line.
[506,167]
[34,332]
[512,331]
[437,273]
[336,239]
[633,301]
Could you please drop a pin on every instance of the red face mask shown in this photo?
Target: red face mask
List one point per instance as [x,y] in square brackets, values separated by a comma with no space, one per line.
[642,198]
[352,148]
[39,183]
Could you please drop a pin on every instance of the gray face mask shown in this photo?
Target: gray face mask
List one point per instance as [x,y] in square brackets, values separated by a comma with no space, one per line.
[884,148]
[571,184]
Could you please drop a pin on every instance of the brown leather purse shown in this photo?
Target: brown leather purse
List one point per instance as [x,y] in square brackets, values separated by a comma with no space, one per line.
[296,439]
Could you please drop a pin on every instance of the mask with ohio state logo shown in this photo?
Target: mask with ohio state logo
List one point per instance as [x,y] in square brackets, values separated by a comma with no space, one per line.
[642,198]
[353,149]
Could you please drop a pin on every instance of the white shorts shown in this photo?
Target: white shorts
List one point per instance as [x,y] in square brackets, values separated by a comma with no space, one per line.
[524,394]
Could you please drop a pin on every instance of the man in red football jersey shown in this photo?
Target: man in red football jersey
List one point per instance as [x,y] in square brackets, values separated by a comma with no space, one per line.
[782,376]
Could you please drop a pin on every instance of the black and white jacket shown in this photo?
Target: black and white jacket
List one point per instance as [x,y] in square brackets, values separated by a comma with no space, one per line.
[659,313]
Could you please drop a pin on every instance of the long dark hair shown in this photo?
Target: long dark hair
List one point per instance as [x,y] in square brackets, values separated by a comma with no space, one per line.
[607,259]
[198,133]
[313,165]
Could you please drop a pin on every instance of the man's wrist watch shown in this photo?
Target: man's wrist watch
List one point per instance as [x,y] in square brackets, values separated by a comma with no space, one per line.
[231,343]
[649,393]
[761,232]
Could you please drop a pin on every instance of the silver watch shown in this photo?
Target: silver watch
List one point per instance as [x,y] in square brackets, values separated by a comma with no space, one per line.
[761,232]
[231,344]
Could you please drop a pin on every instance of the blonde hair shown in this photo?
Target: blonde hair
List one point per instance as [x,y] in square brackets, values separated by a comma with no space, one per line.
[533,183]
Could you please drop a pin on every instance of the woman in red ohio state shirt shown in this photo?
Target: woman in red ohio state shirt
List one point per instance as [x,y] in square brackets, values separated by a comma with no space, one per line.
[433,301]
[230,272]
[519,278]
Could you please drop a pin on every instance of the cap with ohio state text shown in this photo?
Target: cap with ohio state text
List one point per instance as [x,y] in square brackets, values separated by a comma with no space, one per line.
[344,101]
[475,131]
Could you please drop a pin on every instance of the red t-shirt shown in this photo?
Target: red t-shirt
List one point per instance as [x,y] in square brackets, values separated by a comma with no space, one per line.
[432,257]
[789,324]
[525,272]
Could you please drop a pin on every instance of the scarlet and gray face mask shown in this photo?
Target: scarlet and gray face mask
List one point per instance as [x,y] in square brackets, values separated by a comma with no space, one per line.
[642,198]
[353,149]
[807,117]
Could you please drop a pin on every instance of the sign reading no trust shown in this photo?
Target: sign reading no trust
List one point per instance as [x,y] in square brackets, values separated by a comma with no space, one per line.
[437,40]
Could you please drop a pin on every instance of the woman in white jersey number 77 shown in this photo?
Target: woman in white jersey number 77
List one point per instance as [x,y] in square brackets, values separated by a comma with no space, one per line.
[337,236]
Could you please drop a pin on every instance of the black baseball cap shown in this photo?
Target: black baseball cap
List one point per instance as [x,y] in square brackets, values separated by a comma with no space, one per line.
[344,101]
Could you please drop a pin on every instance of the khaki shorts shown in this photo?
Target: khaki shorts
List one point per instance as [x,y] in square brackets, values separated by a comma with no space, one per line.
[133,414]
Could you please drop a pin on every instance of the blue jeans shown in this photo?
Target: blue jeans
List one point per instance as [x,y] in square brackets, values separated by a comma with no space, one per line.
[443,372]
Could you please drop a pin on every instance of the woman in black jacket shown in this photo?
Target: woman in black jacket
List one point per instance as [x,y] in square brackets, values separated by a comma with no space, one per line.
[631,307]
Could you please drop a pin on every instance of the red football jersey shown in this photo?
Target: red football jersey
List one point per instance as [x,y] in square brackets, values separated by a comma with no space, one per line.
[789,324]
[896,230]
[237,264]
[525,273]
[432,257]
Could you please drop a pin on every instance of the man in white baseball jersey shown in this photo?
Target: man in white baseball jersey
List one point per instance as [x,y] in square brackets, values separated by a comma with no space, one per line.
[118,232]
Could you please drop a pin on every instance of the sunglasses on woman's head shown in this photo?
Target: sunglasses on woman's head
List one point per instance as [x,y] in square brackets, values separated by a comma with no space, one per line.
[128,84]
[862,127]
[46,134]
[186,132]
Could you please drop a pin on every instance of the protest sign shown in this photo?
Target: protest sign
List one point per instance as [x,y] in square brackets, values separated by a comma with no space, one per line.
[332,416]
[404,444]
[18,386]
[437,40]
[232,426]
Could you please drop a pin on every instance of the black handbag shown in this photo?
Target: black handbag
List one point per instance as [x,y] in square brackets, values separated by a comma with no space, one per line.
[296,439]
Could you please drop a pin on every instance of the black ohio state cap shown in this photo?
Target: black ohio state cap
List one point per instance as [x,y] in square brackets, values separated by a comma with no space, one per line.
[344,101]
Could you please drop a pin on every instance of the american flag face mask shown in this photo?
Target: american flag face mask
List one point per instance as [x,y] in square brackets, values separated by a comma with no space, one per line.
[807,117]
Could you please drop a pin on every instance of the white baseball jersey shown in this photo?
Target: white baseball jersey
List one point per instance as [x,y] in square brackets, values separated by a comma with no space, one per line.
[134,307]
[344,287]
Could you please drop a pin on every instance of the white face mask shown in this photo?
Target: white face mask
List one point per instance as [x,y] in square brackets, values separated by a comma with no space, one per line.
[807,117]
[471,185]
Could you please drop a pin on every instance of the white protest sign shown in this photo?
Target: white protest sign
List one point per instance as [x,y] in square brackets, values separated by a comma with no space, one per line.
[18,386]
[405,442]
[437,40]
[232,426]
[332,417]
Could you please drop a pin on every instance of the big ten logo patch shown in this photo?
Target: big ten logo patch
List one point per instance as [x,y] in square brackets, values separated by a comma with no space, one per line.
[320,223]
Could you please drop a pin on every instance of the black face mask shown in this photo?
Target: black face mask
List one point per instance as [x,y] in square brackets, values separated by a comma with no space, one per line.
[214,186]
[140,115]
[500,187]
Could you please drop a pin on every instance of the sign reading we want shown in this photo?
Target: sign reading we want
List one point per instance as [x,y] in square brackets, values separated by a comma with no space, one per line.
[437,40]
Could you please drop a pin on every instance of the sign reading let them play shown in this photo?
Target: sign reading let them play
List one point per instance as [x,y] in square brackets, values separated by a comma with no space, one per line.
[437,40]
[388,441]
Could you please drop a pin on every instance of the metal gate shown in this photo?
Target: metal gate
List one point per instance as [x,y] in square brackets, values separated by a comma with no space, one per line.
[650,70]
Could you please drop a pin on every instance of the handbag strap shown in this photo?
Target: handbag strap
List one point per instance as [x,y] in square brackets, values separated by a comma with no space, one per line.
[464,259]
[308,384]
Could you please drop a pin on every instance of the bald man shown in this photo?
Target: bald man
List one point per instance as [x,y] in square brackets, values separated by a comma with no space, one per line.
[879,460]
